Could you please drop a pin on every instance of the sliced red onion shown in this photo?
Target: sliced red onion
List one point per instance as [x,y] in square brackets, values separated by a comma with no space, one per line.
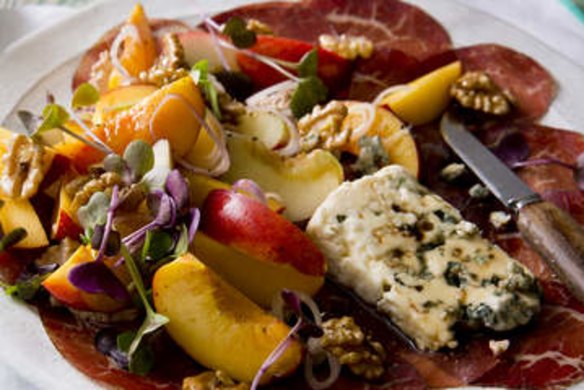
[388,91]
[267,93]
[334,372]
[221,160]
[278,305]
[276,354]
[96,142]
[195,219]
[250,187]
[210,23]
[293,145]
[128,30]
[368,112]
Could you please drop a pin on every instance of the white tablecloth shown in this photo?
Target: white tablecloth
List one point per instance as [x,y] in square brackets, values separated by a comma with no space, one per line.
[550,21]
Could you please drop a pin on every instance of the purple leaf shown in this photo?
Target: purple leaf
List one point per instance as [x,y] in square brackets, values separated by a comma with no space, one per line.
[95,277]
[177,187]
[163,207]
[195,218]
[511,149]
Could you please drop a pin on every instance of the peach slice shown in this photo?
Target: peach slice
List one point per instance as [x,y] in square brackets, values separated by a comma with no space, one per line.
[425,98]
[393,133]
[19,213]
[199,45]
[139,49]
[258,279]
[278,249]
[170,112]
[303,181]
[119,99]
[217,325]
[60,287]
[64,221]
[200,186]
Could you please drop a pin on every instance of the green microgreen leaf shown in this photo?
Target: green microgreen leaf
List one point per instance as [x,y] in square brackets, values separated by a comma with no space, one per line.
[114,163]
[241,36]
[157,245]
[182,245]
[309,92]
[85,95]
[12,238]
[308,65]
[140,157]
[94,212]
[153,320]
[142,360]
[201,76]
[54,116]
[26,289]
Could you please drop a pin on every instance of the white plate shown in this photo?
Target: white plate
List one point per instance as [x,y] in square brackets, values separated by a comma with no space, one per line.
[45,60]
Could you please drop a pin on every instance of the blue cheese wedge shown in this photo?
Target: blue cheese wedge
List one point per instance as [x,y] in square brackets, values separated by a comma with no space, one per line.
[409,252]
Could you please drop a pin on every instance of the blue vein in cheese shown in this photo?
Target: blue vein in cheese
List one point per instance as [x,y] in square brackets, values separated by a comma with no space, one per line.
[410,253]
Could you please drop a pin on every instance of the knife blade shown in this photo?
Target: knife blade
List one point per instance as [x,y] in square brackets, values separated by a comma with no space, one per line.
[550,231]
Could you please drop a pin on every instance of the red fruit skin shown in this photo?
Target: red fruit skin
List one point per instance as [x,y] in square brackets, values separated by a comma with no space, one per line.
[251,227]
[64,226]
[332,69]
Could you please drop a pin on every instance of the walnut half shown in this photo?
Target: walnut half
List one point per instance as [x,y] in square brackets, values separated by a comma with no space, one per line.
[25,166]
[476,91]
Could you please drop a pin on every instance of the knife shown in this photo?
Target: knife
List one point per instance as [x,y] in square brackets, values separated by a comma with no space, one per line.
[550,231]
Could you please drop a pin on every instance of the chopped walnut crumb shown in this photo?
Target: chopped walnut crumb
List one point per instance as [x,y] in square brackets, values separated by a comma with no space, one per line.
[102,183]
[100,72]
[212,380]
[171,65]
[346,341]
[499,219]
[25,166]
[452,172]
[259,27]
[479,191]
[347,46]
[498,346]
[322,128]
[476,90]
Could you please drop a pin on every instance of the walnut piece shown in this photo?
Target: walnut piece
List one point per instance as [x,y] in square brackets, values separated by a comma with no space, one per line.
[476,91]
[25,166]
[346,341]
[259,27]
[170,66]
[102,183]
[322,128]
[212,380]
[347,46]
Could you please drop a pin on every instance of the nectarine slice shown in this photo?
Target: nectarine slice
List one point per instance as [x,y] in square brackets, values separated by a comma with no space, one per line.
[258,279]
[425,98]
[119,99]
[217,325]
[392,132]
[19,213]
[303,182]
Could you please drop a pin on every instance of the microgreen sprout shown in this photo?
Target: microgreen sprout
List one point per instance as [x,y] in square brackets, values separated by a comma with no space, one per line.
[200,74]
[236,29]
[85,95]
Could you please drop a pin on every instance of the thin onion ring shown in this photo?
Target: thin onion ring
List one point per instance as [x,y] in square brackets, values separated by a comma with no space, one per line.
[128,30]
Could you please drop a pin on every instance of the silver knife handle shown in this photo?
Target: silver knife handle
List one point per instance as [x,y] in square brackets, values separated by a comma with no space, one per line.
[559,239]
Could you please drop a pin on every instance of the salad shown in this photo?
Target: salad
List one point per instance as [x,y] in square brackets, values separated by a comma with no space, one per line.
[252,203]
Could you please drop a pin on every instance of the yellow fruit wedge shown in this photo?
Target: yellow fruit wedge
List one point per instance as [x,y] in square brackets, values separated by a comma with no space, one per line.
[19,213]
[217,325]
[393,133]
[139,52]
[425,98]
[119,99]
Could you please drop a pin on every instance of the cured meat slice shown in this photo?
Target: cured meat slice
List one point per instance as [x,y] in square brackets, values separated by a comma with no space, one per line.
[390,24]
[537,357]
[83,71]
[532,86]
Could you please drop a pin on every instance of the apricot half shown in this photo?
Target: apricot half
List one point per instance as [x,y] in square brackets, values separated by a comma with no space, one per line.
[425,98]
[217,325]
